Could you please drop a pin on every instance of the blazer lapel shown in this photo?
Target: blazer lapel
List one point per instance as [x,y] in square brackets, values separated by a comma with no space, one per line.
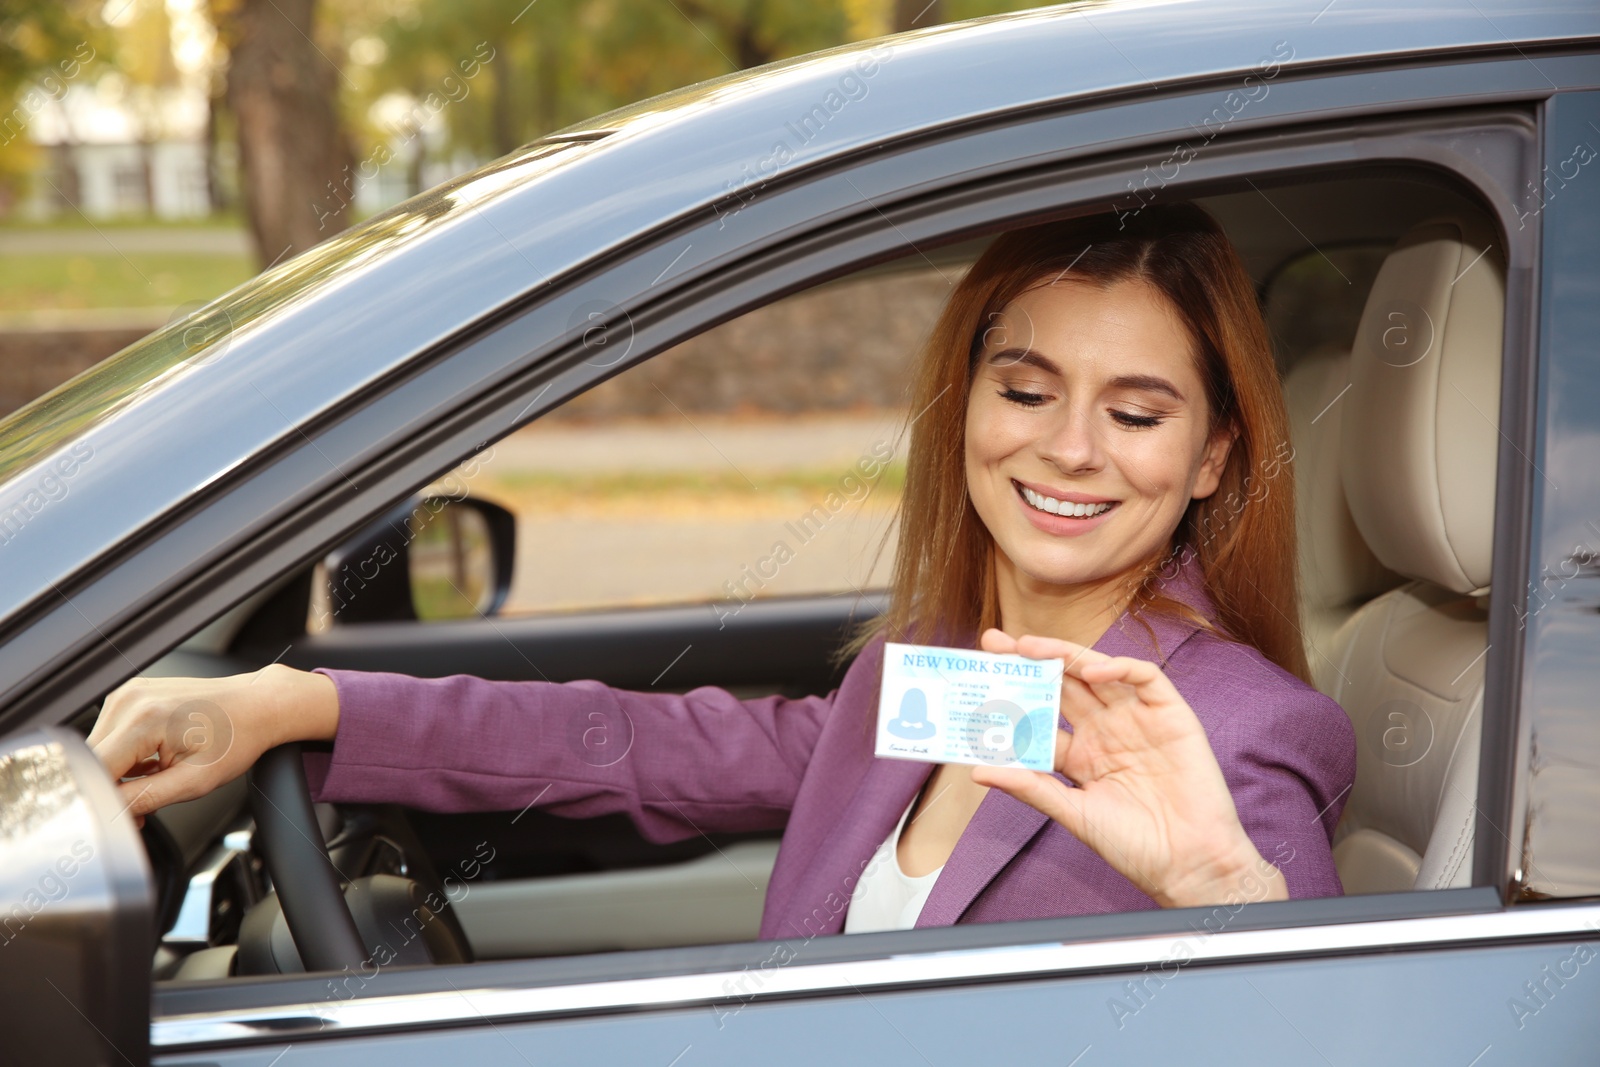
[881,794]
[997,832]
[1002,825]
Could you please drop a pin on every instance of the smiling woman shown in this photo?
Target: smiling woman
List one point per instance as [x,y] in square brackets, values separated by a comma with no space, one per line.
[1117,377]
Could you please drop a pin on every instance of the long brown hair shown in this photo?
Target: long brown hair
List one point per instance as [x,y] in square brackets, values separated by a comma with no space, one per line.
[1242,537]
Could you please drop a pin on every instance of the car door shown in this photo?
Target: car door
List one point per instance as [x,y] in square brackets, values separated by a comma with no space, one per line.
[1374,975]
[1277,977]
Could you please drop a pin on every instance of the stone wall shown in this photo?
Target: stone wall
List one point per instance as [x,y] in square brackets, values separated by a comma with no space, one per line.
[844,346]
[841,347]
[35,358]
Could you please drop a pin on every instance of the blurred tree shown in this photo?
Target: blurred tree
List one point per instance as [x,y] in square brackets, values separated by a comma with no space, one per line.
[37,35]
[44,46]
[915,14]
[556,62]
[144,38]
[282,88]
[420,80]
[504,72]
[865,19]
[740,25]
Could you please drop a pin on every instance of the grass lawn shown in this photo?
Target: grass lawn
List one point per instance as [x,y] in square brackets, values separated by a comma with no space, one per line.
[53,281]
[69,222]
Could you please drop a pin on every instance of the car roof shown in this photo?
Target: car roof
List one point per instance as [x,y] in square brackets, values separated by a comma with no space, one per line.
[270,357]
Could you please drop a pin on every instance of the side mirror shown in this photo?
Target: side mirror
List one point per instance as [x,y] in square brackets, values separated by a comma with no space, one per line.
[435,558]
[77,908]
[461,560]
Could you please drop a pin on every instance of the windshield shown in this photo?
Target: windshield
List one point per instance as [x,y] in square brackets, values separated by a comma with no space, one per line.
[44,426]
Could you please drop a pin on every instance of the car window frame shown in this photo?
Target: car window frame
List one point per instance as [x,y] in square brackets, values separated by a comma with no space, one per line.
[791,262]
[1552,826]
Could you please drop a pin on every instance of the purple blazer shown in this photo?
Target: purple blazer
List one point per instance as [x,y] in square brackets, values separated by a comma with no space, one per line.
[703,761]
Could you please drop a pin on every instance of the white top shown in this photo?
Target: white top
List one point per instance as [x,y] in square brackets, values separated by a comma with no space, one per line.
[886,898]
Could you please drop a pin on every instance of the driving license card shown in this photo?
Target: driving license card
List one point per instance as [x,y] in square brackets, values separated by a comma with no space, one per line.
[955,705]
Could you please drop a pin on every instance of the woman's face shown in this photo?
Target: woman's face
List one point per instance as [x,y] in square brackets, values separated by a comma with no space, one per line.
[1087,430]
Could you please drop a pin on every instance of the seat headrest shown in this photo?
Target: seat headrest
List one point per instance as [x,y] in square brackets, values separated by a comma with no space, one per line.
[1420,425]
[1337,569]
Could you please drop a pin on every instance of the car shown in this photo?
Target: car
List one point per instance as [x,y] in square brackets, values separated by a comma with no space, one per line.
[1413,189]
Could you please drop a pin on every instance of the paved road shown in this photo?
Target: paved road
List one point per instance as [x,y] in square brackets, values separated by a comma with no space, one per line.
[572,562]
[653,550]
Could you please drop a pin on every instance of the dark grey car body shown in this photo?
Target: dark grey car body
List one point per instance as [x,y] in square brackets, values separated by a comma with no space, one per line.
[232,449]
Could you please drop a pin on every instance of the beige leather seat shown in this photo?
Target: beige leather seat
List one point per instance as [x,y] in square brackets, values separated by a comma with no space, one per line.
[1416,439]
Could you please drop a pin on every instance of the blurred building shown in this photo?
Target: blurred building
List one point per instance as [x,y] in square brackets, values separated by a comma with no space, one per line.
[110,153]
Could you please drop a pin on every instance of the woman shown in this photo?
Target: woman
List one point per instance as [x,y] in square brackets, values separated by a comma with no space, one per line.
[1097,473]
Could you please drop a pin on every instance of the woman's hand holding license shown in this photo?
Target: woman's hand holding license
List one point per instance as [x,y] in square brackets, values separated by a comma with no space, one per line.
[1150,797]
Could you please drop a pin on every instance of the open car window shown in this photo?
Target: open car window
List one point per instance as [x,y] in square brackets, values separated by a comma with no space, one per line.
[762,458]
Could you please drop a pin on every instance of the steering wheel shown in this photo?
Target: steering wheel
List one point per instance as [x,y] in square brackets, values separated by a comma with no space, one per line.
[314,906]
[332,929]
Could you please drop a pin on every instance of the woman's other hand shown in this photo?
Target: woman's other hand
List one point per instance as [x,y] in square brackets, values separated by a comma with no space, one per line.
[179,738]
[1150,797]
